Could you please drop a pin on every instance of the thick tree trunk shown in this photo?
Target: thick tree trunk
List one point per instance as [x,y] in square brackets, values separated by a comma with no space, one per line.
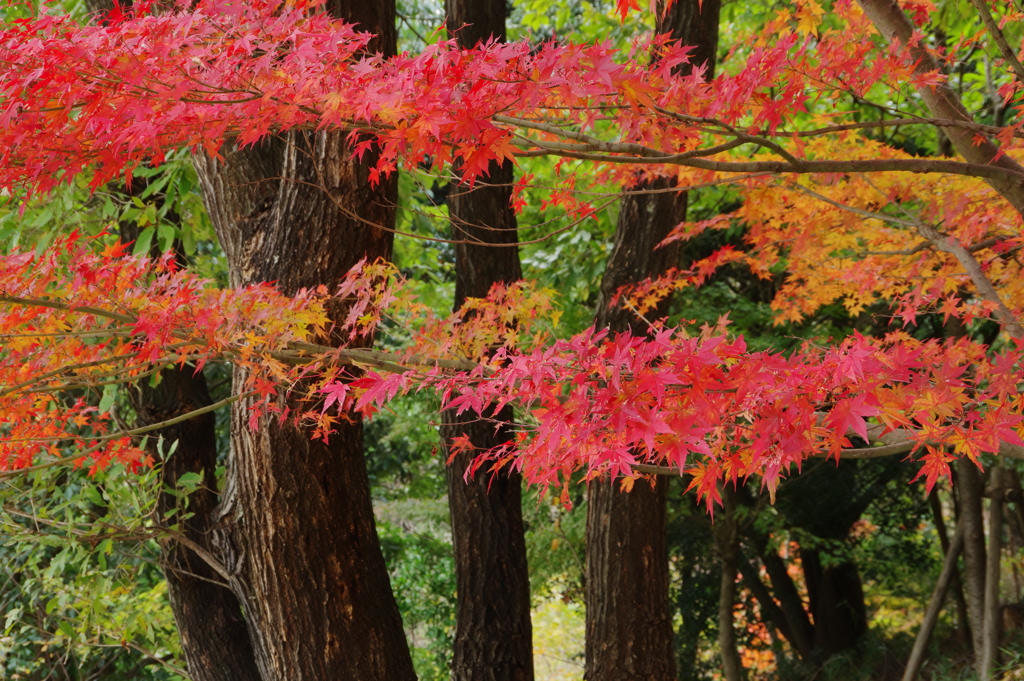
[493,632]
[296,529]
[969,483]
[837,603]
[629,628]
[208,616]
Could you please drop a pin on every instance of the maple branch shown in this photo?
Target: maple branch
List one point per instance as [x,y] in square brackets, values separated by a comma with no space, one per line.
[98,312]
[997,34]
[891,21]
[980,246]
[858,211]
[897,122]
[977,275]
[103,439]
[912,165]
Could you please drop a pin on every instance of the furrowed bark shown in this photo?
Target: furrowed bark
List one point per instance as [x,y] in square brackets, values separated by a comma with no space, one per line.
[493,632]
[208,615]
[296,528]
[969,483]
[944,103]
[629,628]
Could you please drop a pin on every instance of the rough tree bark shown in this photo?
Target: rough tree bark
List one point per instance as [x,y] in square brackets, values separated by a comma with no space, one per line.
[628,628]
[493,632]
[296,529]
[207,614]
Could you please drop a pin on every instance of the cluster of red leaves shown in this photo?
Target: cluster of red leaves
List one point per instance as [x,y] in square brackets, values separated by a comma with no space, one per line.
[114,95]
[109,97]
[82,318]
[79,317]
[706,405]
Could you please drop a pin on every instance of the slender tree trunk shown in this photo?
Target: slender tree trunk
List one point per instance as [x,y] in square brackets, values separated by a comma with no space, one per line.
[931,616]
[493,633]
[969,482]
[629,629]
[993,566]
[789,600]
[728,543]
[963,625]
[296,528]
[771,613]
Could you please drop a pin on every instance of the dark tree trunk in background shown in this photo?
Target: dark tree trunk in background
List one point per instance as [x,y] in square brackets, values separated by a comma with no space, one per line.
[629,628]
[970,485]
[296,529]
[493,632]
[207,614]
[836,602]
[727,542]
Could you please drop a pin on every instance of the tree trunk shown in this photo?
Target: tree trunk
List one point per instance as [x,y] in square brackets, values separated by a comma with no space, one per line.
[931,616]
[993,565]
[296,528]
[969,482]
[837,603]
[629,628]
[208,616]
[728,543]
[789,598]
[493,632]
[963,625]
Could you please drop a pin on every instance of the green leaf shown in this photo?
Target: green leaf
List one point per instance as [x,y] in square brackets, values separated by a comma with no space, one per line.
[190,480]
[107,401]
[144,241]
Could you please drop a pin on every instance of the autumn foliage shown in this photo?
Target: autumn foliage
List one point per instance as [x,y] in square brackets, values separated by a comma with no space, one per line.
[849,219]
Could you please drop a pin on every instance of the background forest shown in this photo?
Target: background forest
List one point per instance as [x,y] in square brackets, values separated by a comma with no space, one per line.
[832,576]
